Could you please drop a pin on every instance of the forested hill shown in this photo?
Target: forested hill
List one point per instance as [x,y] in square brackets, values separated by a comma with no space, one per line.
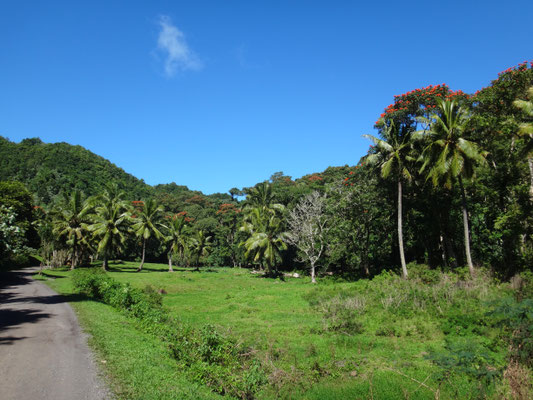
[47,169]
[50,168]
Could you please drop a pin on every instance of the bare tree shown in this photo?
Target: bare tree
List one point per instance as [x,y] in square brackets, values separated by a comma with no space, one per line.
[307,228]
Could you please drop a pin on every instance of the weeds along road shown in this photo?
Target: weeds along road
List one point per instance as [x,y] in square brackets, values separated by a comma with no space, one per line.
[43,352]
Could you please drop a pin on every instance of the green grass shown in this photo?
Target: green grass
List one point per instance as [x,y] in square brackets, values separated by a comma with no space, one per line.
[304,361]
[135,365]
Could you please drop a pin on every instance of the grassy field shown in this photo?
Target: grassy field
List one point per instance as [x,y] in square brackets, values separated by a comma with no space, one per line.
[299,332]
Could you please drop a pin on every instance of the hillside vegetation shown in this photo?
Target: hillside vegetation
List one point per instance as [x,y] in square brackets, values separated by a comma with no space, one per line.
[405,275]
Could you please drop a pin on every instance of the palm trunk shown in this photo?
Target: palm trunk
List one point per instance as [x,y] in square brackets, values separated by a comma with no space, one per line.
[170,263]
[400,232]
[530,162]
[142,259]
[104,263]
[74,255]
[466,229]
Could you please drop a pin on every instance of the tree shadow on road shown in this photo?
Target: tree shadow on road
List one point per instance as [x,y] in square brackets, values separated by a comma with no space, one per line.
[10,317]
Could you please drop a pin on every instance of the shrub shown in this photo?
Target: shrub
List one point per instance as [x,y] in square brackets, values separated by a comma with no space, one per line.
[90,282]
[424,273]
[468,358]
[516,321]
[342,315]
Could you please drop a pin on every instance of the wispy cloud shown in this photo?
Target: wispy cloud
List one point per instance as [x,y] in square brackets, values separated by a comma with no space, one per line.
[171,42]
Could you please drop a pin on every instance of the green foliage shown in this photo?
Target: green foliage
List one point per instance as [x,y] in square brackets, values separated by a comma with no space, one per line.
[48,169]
[205,354]
[467,358]
[516,321]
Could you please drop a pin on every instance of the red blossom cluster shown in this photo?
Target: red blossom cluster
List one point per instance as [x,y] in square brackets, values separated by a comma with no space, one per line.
[418,100]
[348,181]
[183,214]
[196,199]
[228,207]
[315,178]
[520,67]
[511,73]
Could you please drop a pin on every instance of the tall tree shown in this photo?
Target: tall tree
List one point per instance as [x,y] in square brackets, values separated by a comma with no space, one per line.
[393,154]
[525,130]
[147,223]
[450,157]
[266,239]
[307,223]
[176,239]
[264,225]
[200,247]
[110,222]
[71,221]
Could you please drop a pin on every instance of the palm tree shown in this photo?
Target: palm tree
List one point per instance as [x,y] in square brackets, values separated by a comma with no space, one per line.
[110,222]
[266,238]
[526,130]
[448,156]
[146,224]
[200,247]
[261,197]
[175,239]
[393,155]
[71,218]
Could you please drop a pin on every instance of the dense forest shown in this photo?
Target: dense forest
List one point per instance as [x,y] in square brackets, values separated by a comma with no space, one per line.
[448,182]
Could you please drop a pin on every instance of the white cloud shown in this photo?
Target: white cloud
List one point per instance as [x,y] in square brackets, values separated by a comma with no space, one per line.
[171,42]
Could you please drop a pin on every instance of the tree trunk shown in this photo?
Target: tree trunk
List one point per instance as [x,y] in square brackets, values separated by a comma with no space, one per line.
[73,263]
[313,276]
[170,263]
[74,255]
[104,263]
[400,232]
[142,259]
[365,253]
[530,162]
[466,229]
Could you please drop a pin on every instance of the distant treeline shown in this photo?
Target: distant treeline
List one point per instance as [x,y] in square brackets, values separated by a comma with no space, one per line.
[457,169]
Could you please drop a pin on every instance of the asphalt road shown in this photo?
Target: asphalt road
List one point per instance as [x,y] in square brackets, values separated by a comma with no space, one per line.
[43,352]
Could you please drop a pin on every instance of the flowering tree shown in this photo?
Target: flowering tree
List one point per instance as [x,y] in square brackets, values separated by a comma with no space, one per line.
[525,130]
[307,223]
[12,237]
[449,156]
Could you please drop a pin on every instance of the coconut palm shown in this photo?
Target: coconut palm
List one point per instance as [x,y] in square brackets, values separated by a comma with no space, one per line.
[200,245]
[175,239]
[261,197]
[266,238]
[110,222]
[71,218]
[525,130]
[146,224]
[449,157]
[394,154]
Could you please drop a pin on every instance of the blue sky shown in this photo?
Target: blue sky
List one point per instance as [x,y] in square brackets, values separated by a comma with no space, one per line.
[221,94]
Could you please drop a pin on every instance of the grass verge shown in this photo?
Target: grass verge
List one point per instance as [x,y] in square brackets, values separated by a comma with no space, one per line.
[135,365]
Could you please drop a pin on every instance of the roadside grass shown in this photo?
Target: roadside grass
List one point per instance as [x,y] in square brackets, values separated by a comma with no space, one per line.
[135,365]
[385,358]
